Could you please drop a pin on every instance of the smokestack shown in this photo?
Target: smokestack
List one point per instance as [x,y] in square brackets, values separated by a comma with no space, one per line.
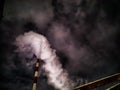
[37,65]
[37,44]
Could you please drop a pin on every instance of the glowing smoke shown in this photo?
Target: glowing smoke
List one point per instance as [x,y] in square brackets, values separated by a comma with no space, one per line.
[37,44]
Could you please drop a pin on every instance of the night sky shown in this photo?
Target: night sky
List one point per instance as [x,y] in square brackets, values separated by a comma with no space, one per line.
[84,33]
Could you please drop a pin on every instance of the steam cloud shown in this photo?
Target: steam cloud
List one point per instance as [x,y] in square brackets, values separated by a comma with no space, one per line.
[84,33]
[37,44]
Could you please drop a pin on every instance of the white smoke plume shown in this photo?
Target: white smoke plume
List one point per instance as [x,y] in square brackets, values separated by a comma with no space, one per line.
[38,44]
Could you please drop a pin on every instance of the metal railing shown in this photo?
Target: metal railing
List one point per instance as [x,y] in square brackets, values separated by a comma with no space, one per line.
[101,82]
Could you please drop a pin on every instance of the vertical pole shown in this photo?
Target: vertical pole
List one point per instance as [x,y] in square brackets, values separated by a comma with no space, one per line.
[1,8]
[37,65]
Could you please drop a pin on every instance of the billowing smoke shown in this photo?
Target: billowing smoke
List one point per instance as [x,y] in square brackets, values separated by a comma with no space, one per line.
[84,33]
[33,43]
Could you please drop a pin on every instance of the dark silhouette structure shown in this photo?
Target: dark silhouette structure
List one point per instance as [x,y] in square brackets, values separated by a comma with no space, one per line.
[101,82]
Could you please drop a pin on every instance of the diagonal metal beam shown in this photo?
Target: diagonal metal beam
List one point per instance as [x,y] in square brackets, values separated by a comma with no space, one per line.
[99,82]
[114,87]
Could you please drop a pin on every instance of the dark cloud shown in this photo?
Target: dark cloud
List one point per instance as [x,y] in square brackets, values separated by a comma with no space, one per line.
[85,34]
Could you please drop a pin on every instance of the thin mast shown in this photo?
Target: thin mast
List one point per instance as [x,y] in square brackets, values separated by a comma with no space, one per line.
[37,65]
